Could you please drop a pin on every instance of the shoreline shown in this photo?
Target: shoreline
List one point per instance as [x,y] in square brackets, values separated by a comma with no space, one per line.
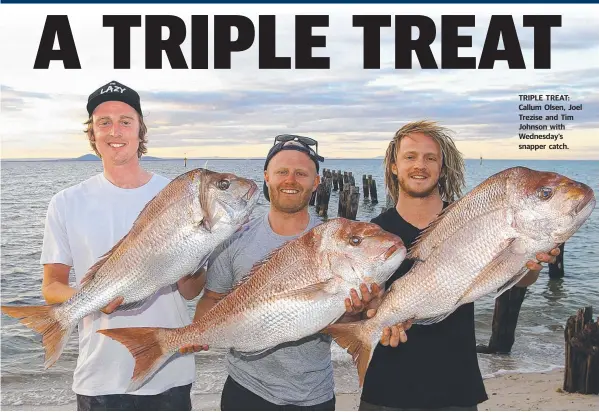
[509,391]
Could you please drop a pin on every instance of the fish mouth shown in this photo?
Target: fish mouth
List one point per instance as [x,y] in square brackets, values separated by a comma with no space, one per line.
[588,198]
[250,193]
[394,248]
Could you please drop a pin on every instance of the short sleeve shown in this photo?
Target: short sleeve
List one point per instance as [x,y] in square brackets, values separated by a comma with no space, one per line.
[55,248]
[219,276]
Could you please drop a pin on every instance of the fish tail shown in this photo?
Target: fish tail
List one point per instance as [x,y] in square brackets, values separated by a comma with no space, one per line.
[147,348]
[43,320]
[357,341]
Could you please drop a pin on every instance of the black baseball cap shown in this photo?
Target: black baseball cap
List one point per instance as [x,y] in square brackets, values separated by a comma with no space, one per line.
[292,142]
[114,91]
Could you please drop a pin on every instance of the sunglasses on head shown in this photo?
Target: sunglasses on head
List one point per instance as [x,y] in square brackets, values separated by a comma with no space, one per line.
[291,139]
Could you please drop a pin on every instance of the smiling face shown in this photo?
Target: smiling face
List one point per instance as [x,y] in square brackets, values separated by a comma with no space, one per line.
[418,165]
[291,178]
[115,127]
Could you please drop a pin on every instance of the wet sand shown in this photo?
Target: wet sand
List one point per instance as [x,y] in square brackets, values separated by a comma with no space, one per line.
[517,391]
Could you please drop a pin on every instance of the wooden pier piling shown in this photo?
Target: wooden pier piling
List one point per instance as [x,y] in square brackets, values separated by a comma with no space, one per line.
[505,320]
[581,336]
[313,198]
[556,270]
[323,196]
[342,202]
[335,181]
[352,203]
[373,195]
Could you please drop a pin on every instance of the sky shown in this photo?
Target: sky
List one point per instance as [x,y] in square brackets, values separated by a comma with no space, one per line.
[352,112]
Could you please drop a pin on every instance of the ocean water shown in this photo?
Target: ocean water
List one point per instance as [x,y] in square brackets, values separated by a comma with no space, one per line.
[26,188]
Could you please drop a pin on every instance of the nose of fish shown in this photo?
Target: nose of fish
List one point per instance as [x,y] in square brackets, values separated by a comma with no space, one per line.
[589,196]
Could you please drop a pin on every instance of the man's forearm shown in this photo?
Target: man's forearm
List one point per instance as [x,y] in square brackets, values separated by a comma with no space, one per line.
[57,292]
[203,306]
[350,318]
[528,279]
[191,286]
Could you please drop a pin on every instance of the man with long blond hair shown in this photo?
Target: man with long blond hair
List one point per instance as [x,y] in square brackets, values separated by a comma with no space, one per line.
[436,367]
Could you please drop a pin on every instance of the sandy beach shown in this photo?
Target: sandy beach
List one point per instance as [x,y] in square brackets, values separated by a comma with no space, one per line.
[518,391]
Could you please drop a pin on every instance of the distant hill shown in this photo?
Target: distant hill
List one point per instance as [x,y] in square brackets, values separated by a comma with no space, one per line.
[93,157]
[87,157]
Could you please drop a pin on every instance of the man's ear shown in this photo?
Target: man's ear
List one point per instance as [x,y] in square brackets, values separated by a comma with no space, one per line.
[316,183]
[394,169]
[266,176]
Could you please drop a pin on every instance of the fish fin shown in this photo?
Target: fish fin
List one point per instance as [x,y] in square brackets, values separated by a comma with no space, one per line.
[256,266]
[91,272]
[500,264]
[42,319]
[513,247]
[206,224]
[146,349]
[133,305]
[415,251]
[434,319]
[311,290]
[510,283]
[358,344]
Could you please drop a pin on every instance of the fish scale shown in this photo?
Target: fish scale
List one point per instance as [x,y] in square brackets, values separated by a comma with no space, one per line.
[296,291]
[477,246]
[172,237]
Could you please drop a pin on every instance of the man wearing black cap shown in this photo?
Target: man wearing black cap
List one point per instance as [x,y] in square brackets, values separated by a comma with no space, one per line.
[296,374]
[83,223]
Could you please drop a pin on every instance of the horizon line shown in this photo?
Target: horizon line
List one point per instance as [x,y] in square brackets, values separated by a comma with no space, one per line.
[156,158]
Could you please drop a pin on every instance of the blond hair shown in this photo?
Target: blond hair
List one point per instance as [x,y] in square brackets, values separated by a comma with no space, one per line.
[451,179]
[143,140]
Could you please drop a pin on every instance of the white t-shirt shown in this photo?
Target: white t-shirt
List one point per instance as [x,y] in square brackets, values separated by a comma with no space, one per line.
[83,223]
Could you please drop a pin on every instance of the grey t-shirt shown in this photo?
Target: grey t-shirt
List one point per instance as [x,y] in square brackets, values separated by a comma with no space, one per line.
[299,373]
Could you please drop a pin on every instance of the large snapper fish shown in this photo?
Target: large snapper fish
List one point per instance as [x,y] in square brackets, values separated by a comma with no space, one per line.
[172,237]
[478,245]
[292,293]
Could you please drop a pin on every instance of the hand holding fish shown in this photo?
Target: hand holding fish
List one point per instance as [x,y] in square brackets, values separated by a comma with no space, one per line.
[544,258]
[192,348]
[354,305]
[392,335]
[535,267]
[112,306]
[395,334]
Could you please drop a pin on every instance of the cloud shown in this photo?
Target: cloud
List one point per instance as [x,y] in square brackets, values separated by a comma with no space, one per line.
[12,100]
[350,110]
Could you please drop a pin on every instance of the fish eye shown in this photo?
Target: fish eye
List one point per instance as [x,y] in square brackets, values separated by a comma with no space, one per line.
[355,240]
[223,184]
[545,193]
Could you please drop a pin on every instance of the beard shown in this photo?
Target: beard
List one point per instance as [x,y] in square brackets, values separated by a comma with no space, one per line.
[418,193]
[290,204]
